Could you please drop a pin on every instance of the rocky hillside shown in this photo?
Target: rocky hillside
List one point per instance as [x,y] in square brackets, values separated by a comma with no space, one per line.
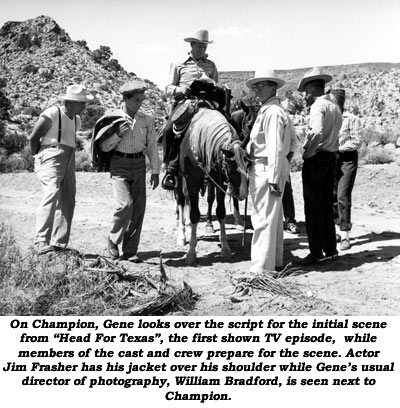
[38,60]
[373,88]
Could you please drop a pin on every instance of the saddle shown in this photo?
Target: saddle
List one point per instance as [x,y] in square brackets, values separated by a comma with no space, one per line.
[205,95]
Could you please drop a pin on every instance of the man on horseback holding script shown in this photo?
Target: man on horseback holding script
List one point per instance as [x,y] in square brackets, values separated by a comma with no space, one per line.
[182,76]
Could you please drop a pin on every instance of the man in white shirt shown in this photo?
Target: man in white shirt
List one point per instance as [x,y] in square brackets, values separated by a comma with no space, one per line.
[268,149]
[53,144]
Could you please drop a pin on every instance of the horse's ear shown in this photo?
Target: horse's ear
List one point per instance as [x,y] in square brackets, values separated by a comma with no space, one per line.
[244,107]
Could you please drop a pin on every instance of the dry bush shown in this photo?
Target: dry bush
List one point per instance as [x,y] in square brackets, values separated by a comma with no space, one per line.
[71,283]
[82,161]
[378,156]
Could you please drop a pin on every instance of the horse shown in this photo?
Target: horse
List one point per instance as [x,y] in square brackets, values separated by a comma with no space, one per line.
[210,148]
[242,120]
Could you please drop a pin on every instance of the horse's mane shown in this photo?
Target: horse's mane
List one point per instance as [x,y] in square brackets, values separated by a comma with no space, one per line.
[209,131]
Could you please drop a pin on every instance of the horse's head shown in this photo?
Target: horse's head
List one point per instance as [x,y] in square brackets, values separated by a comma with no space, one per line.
[243,121]
[235,167]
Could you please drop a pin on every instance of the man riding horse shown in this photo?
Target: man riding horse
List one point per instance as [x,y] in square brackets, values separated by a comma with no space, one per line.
[195,78]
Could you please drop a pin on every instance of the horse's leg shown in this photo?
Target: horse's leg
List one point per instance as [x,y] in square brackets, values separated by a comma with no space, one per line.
[209,229]
[221,214]
[239,224]
[191,253]
[194,213]
[180,204]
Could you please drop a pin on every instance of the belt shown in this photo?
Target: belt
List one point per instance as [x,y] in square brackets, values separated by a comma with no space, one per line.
[129,155]
[48,146]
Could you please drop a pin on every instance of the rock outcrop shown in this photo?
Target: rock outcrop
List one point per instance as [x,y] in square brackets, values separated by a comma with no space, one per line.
[38,60]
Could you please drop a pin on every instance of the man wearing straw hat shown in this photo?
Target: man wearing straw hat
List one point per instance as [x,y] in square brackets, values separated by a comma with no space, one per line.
[53,143]
[268,149]
[181,77]
[318,173]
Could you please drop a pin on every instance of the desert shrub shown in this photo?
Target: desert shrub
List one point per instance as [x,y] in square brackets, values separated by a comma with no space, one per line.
[12,142]
[51,286]
[17,162]
[2,130]
[70,283]
[114,64]
[388,135]
[91,114]
[102,55]
[83,44]
[83,161]
[30,69]
[378,156]
[58,52]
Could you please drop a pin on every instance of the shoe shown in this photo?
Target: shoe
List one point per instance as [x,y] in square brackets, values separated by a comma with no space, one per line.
[134,258]
[328,258]
[169,182]
[310,259]
[43,248]
[112,249]
[291,228]
[345,244]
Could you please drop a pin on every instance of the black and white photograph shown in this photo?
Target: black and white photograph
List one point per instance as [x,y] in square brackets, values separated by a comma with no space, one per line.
[181,161]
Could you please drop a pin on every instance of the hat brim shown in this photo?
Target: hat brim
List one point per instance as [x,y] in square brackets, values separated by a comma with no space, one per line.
[72,99]
[324,77]
[279,82]
[191,39]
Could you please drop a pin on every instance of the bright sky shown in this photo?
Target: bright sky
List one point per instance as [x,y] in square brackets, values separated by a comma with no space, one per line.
[147,35]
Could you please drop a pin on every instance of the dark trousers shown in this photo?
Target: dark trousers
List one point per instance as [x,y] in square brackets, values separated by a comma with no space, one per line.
[170,148]
[346,171]
[318,176]
[288,203]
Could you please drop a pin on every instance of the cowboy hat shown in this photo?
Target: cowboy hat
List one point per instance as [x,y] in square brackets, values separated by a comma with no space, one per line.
[266,74]
[76,93]
[200,36]
[312,75]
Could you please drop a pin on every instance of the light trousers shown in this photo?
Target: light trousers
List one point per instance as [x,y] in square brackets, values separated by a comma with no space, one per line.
[266,217]
[55,168]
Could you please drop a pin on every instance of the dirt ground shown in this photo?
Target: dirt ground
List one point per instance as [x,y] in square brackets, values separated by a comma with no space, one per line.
[365,280]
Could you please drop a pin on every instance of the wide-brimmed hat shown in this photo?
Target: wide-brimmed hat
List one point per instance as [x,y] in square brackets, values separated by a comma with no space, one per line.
[312,75]
[266,74]
[76,93]
[200,36]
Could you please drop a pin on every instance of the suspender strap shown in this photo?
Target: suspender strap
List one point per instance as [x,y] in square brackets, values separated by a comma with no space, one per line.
[59,125]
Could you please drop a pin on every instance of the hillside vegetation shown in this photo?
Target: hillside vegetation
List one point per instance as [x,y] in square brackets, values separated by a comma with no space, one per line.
[38,60]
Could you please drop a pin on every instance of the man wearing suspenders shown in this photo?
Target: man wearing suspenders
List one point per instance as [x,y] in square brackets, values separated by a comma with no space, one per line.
[53,144]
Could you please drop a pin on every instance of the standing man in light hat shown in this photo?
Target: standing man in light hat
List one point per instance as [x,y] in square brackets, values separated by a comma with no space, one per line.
[268,149]
[182,75]
[134,138]
[52,143]
[318,173]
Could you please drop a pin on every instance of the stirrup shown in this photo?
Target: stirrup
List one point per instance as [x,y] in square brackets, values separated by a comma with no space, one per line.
[169,182]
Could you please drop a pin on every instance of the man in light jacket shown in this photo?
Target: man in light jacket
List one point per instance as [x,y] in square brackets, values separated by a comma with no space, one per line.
[268,148]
